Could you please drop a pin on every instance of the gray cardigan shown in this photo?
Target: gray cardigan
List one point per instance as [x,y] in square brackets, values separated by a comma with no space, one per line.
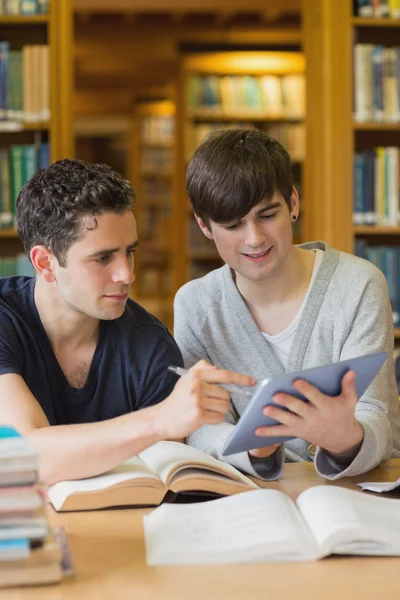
[347,314]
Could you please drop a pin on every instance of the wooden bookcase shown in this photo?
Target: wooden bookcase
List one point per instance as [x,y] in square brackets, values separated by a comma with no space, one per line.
[330,31]
[194,255]
[152,171]
[55,30]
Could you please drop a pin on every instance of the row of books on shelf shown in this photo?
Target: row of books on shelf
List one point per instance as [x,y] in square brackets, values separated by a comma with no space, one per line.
[155,190]
[377,187]
[387,259]
[376,83]
[200,267]
[157,130]
[17,165]
[24,83]
[291,135]
[377,8]
[155,281]
[269,96]
[24,7]
[156,160]
[155,227]
[30,552]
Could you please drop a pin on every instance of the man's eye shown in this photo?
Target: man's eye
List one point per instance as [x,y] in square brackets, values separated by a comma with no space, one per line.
[103,259]
[232,227]
[270,216]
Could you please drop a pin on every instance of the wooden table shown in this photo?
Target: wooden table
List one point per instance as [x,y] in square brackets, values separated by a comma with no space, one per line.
[109,558]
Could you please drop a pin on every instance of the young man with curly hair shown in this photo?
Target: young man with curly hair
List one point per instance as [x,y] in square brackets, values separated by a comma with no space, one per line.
[78,358]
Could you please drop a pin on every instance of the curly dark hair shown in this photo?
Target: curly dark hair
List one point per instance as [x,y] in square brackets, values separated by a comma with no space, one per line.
[234,170]
[52,204]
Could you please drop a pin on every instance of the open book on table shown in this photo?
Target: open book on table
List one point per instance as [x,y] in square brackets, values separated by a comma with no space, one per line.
[145,480]
[266,525]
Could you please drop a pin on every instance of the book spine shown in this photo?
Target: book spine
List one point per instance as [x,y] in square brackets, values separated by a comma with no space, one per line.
[12,7]
[29,7]
[17,180]
[6,214]
[4,48]
[358,193]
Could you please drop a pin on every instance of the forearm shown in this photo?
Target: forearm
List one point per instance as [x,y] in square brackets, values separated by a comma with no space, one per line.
[375,447]
[88,449]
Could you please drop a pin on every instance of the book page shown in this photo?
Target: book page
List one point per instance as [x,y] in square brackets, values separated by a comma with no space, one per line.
[167,458]
[252,526]
[132,469]
[348,521]
[380,486]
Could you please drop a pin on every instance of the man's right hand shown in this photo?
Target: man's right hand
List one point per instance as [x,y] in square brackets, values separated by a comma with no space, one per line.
[196,400]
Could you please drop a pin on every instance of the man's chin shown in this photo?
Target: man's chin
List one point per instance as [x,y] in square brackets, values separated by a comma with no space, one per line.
[110,315]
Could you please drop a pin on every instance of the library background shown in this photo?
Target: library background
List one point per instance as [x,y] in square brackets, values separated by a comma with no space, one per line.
[138,83]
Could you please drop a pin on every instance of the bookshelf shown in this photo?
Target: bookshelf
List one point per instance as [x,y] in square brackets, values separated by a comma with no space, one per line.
[217,90]
[355,131]
[152,171]
[35,106]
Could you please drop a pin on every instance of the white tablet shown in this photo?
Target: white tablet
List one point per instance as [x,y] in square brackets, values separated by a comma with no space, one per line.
[328,379]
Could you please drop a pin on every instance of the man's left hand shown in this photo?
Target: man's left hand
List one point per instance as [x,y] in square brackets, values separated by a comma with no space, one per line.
[328,422]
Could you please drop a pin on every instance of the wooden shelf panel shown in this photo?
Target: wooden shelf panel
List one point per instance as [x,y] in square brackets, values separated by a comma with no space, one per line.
[253,117]
[24,20]
[397,333]
[153,173]
[371,126]
[8,233]
[246,63]
[15,126]
[158,144]
[376,230]
[374,22]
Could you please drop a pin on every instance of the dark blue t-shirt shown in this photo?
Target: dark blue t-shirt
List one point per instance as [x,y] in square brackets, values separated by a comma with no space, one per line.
[128,369]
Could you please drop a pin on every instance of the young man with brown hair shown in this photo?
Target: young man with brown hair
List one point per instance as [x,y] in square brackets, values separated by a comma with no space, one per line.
[78,358]
[276,307]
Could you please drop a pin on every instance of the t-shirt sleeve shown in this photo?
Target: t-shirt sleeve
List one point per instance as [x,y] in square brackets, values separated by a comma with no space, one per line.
[11,351]
[159,381]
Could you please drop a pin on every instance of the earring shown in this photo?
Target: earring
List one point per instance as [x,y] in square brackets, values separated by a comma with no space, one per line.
[294,218]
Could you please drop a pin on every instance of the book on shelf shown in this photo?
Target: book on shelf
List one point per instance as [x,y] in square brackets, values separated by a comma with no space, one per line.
[377,8]
[24,84]
[147,478]
[376,187]
[156,129]
[376,83]
[268,96]
[26,8]
[387,259]
[266,525]
[17,164]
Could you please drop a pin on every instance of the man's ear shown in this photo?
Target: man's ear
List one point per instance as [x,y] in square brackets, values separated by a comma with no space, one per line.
[43,262]
[204,228]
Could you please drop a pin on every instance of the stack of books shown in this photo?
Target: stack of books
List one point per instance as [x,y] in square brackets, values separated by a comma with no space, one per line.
[29,551]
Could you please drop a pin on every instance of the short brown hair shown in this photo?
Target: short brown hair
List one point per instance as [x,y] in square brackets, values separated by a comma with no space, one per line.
[234,170]
[51,205]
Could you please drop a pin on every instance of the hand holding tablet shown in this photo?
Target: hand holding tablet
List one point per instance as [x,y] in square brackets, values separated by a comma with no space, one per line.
[327,379]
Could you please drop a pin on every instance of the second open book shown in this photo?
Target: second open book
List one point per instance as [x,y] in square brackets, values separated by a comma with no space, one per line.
[266,525]
[145,480]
